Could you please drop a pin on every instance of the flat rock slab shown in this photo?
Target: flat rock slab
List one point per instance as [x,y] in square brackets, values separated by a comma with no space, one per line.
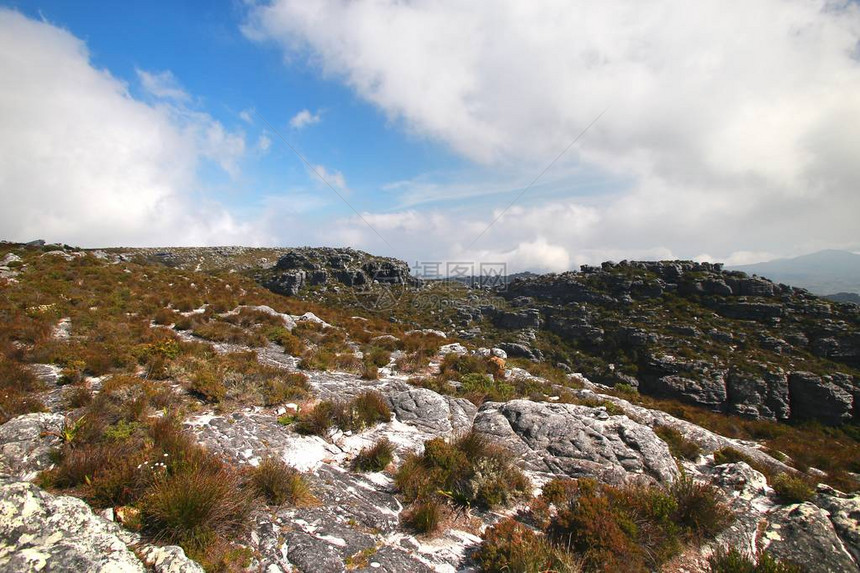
[42,532]
[26,442]
[803,534]
[577,441]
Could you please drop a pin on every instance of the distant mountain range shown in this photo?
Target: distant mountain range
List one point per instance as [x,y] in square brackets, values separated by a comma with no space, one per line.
[823,273]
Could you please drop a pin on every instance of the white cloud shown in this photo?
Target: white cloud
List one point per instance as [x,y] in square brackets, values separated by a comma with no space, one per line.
[733,126]
[162,85]
[304,118]
[264,143]
[81,161]
[334,178]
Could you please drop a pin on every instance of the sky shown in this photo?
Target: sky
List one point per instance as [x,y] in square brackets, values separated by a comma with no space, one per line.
[544,135]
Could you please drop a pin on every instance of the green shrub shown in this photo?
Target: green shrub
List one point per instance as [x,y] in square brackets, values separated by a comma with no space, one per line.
[634,528]
[699,509]
[424,517]
[793,489]
[289,386]
[195,508]
[208,383]
[680,446]
[468,471]
[509,546]
[292,344]
[223,332]
[733,561]
[317,420]
[375,458]
[279,483]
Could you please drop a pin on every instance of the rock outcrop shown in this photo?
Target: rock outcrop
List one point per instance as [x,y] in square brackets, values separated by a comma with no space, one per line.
[44,532]
[577,441]
[302,267]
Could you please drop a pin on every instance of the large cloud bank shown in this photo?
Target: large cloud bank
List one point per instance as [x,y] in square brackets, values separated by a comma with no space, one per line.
[83,162]
[731,125]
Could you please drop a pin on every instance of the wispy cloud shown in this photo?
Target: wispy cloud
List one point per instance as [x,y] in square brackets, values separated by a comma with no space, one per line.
[162,85]
[304,118]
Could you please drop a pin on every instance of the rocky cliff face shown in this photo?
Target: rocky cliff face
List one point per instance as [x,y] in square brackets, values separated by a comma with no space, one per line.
[311,267]
[694,332]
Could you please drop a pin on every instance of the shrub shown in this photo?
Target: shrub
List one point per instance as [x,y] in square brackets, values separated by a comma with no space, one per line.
[208,384]
[699,509]
[369,371]
[635,527]
[77,397]
[362,411]
[375,458]
[455,365]
[194,508]
[792,489]
[377,356]
[166,316]
[223,332]
[734,561]
[730,455]
[283,388]
[510,546]
[468,471]
[368,409]
[424,517]
[292,344]
[316,421]
[279,483]
[680,446]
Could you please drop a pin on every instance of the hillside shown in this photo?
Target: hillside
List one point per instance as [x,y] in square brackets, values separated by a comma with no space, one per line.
[823,273]
[173,409]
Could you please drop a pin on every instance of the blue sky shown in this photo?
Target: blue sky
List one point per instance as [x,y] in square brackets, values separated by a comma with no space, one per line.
[727,134]
[202,45]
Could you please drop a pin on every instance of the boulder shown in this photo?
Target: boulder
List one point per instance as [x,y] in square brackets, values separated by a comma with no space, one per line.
[432,412]
[577,441]
[758,395]
[819,398]
[517,350]
[26,443]
[844,512]
[804,535]
[42,532]
[527,318]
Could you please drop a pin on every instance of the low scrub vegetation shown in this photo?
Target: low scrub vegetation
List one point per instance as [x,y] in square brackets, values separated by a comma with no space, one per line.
[511,546]
[467,471]
[374,458]
[279,483]
[606,528]
[793,489]
[363,411]
[681,447]
[734,561]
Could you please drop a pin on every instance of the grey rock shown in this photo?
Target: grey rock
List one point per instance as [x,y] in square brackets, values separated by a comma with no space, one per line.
[42,532]
[527,318]
[517,350]
[169,559]
[287,283]
[804,535]
[577,441]
[844,512]
[758,396]
[26,443]
[432,412]
[819,398]
[311,555]
[694,381]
